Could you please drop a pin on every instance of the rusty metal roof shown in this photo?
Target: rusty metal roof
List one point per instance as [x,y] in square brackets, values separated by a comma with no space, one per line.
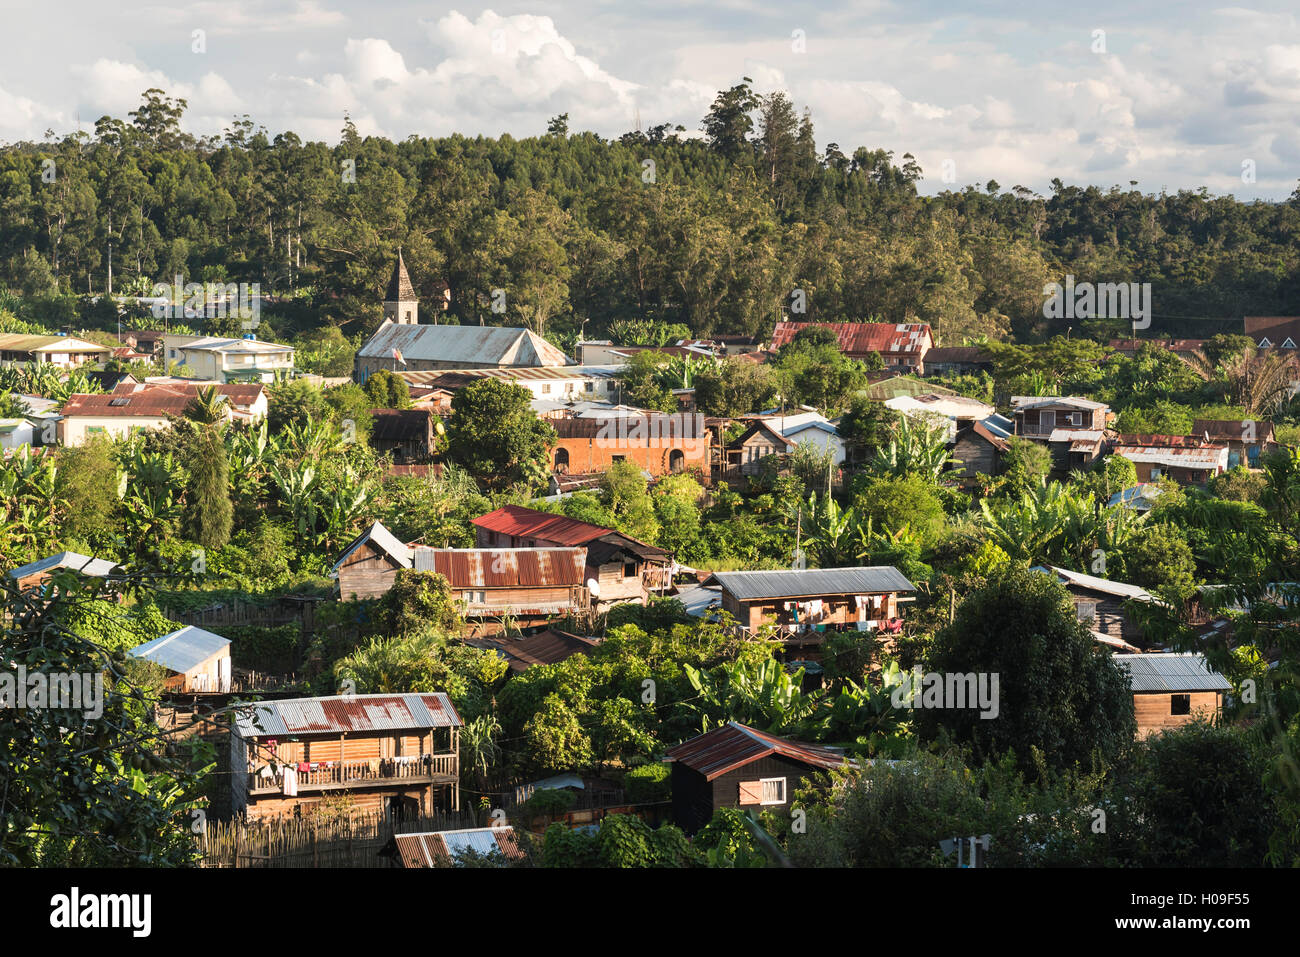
[543,648]
[904,338]
[521,522]
[1233,430]
[504,567]
[347,714]
[1204,457]
[734,745]
[440,848]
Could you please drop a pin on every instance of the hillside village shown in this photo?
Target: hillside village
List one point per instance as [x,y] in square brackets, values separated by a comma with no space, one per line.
[443,591]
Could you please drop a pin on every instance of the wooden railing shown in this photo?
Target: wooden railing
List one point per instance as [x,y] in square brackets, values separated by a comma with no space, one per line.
[360,773]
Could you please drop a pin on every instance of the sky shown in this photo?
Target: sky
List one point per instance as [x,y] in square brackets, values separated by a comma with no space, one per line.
[1172,94]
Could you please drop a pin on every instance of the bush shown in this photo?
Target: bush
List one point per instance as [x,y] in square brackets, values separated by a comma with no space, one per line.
[648,784]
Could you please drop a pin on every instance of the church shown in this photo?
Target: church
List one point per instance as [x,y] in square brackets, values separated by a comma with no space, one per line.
[402,344]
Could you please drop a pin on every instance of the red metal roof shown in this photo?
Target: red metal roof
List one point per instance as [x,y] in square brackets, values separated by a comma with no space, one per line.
[543,526]
[734,745]
[504,567]
[857,338]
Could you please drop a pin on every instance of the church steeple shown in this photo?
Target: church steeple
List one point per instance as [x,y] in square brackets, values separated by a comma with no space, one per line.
[400,302]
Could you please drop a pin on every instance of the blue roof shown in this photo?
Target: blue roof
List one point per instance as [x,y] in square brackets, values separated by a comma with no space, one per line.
[181,650]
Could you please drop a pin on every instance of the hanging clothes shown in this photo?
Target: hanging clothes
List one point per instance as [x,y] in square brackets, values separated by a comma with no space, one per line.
[289,783]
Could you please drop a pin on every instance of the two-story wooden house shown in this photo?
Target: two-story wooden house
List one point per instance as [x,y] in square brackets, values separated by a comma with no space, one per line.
[396,752]
[803,604]
[619,568]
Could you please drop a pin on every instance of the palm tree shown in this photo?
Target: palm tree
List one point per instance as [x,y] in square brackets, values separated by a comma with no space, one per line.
[1256,380]
[208,407]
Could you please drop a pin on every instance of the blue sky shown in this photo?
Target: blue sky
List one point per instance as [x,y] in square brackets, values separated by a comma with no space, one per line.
[1173,95]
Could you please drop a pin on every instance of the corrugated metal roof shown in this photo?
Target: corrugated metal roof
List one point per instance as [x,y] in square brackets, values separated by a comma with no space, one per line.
[544,648]
[181,650]
[347,714]
[1166,672]
[794,583]
[1022,402]
[546,526]
[734,745]
[1093,583]
[454,377]
[1198,458]
[94,567]
[440,848]
[904,339]
[1233,430]
[504,567]
[472,345]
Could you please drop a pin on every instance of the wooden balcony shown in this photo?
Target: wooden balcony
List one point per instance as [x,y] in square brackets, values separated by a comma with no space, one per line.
[338,776]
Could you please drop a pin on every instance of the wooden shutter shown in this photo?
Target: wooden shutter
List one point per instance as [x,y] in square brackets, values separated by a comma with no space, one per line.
[751,792]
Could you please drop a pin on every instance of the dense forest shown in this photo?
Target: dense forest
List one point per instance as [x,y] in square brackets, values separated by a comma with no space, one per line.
[714,231]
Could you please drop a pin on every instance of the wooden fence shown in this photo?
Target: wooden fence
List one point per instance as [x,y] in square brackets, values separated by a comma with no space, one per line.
[352,842]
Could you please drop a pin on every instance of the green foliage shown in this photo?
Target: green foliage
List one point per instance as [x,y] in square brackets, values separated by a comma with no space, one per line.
[416,602]
[494,434]
[648,783]
[387,390]
[1058,692]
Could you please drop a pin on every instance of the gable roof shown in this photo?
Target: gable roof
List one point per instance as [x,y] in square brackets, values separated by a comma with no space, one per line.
[1168,672]
[892,386]
[1176,456]
[543,648]
[756,426]
[801,582]
[887,338]
[967,354]
[225,345]
[468,345]
[1093,583]
[181,650]
[94,567]
[1268,331]
[1022,402]
[25,342]
[734,745]
[382,539]
[346,714]
[504,567]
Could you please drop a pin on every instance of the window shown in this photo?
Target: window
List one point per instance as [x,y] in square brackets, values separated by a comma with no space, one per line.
[171,353]
[629,569]
[546,388]
[1046,421]
[589,387]
[561,460]
[618,458]
[1180,704]
[1076,418]
[771,790]
[1155,474]
[1086,610]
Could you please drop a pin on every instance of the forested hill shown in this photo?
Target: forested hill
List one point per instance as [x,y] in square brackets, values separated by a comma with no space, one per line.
[713,231]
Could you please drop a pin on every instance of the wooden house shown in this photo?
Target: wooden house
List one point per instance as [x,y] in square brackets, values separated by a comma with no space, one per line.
[619,568]
[737,766]
[1038,417]
[525,583]
[35,574]
[407,433]
[957,360]
[748,455]
[393,752]
[979,449]
[369,565]
[443,848]
[1186,459]
[1247,441]
[803,604]
[1102,604]
[198,660]
[1170,690]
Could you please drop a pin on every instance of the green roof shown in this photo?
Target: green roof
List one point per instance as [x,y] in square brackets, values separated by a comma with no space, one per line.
[895,386]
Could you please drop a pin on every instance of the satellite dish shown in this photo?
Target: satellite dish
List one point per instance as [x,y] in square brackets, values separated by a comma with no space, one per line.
[593,586]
